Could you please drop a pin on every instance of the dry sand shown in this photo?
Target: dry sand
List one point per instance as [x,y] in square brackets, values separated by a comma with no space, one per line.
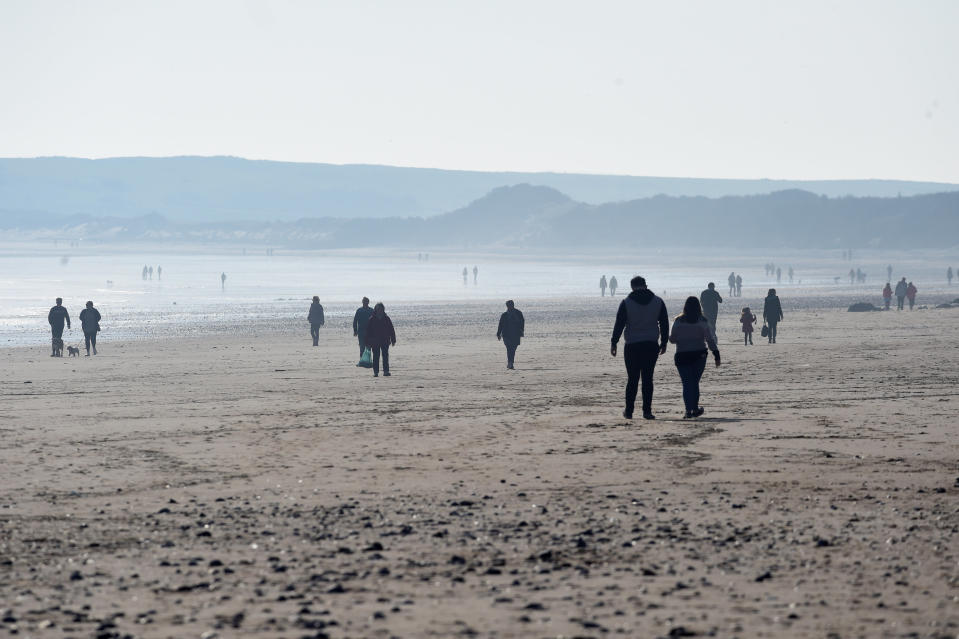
[250,485]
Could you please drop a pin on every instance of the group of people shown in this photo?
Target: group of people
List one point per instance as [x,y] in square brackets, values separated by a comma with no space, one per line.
[710,299]
[466,274]
[735,285]
[904,291]
[148,272]
[772,269]
[60,316]
[612,285]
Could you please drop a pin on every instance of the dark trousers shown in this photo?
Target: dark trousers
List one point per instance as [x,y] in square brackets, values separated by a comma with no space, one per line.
[385,350]
[91,340]
[690,374]
[510,352]
[772,331]
[315,333]
[900,300]
[57,331]
[362,340]
[640,362]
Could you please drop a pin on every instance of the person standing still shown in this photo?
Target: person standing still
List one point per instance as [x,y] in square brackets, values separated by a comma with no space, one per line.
[901,288]
[710,299]
[360,319]
[475,274]
[316,319]
[602,286]
[739,285]
[911,291]
[56,317]
[512,327]
[90,323]
[613,285]
[641,319]
[380,335]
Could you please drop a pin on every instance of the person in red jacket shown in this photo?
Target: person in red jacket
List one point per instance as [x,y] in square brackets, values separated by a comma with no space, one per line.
[887,295]
[911,291]
[379,337]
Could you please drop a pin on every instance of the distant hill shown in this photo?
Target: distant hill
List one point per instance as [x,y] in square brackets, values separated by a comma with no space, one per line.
[218,189]
[539,217]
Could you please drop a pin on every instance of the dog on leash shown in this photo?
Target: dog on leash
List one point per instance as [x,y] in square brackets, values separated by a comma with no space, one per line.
[57,347]
[74,351]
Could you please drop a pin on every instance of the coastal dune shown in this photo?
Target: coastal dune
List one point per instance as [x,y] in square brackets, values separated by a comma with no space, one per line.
[248,484]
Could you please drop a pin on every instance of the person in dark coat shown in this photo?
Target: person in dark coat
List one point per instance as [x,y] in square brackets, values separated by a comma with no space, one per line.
[90,322]
[360,320]
[56,317]
[316,319]
[642,320]
[772,313]
[379,337]
[512,327]
[710,299]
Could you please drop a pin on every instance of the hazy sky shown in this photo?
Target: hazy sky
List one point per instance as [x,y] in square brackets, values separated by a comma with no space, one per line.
[833,89]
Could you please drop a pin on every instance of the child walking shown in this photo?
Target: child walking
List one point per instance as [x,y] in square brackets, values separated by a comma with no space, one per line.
[747,319]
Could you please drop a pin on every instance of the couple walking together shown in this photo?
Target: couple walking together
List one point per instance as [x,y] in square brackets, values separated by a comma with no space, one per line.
[643,321]
[373,329]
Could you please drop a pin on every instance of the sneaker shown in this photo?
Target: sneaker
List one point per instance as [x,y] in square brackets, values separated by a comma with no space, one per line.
[509,366]
[386,374]
[627,415]
[698,412]
[648,416]
[689,415]
[376,374]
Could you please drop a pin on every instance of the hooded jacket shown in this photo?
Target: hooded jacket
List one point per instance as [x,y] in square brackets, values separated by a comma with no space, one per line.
[642,317]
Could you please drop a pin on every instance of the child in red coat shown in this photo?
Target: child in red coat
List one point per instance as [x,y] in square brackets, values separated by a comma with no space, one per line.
[747,319]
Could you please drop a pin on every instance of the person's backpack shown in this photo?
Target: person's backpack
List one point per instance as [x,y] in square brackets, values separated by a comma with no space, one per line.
[764,331]
[366,359]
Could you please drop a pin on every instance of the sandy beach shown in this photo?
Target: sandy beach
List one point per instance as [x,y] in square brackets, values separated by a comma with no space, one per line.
[247,484]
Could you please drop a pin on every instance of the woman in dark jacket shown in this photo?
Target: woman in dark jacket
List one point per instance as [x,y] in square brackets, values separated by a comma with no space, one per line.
[315,319]
[691,334]
[379,337]
[90,321]
[772,313]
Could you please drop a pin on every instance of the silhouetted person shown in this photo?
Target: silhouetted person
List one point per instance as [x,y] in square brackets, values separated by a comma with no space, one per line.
[151,272]
[379,337]
[732,284]
[911,291]
[949,275]
[602,286]
[691,335]
[90,322]
[739,285]
[642,319]
[747,319]
[360,319]
[852,276]
[889,272]
[779,275]
[316,319]
[901,288]
[887,295]
[145,271]
[475,274]
[466,275]
[56,317]
[709,300]
[159,272]
[791,272]
[772,313]
[613,285]
[222,281]
[512,327]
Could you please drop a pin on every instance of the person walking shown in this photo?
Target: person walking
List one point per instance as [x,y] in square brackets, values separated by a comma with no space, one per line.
[747,319]
[911,291]
[602,286]
[791,273]
[641,319]
[316,319]
[56,318]
[512,327]
[475,274]
[466,275]
[739,285]
[901,288]
[949,275]
[222,281]
[779,274]
[613,285]
[691,335]
[90,323]
[379,337]
[732,284]
[889,272]
[710,299]
[887,295]
[159,272]
[360,319]
[772,313]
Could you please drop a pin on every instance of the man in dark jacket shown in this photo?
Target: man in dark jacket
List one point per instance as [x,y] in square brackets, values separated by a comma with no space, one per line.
[56,317]
[380,335]
[316,319]
[710,299]
[360,319]
[90,323]
[643,317]
[511,328]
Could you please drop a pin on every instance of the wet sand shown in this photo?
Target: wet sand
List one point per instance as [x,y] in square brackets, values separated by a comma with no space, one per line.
[251,485]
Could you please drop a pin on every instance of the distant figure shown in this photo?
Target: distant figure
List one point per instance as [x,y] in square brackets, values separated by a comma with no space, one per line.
[316,319]
[772,313]
[901,288]
[791,273]
[475,274]
[222,281]
[642,316]
[949,275]
[691,334]
[426,257]
[56,317]
[613,284]
[602,286]
[887,295]
[419,257]
[779,275]
[379,337]
[512,327]
[889,272]
[466,275]
[145,271]
[90,322]
[747,319]
[159,272]
[732,284]
[911,291]
[739,285]
[852,276]
[710,300]
[151,272]
[360,319]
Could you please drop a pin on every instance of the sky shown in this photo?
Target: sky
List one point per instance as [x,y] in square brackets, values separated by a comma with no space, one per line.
[735,89]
